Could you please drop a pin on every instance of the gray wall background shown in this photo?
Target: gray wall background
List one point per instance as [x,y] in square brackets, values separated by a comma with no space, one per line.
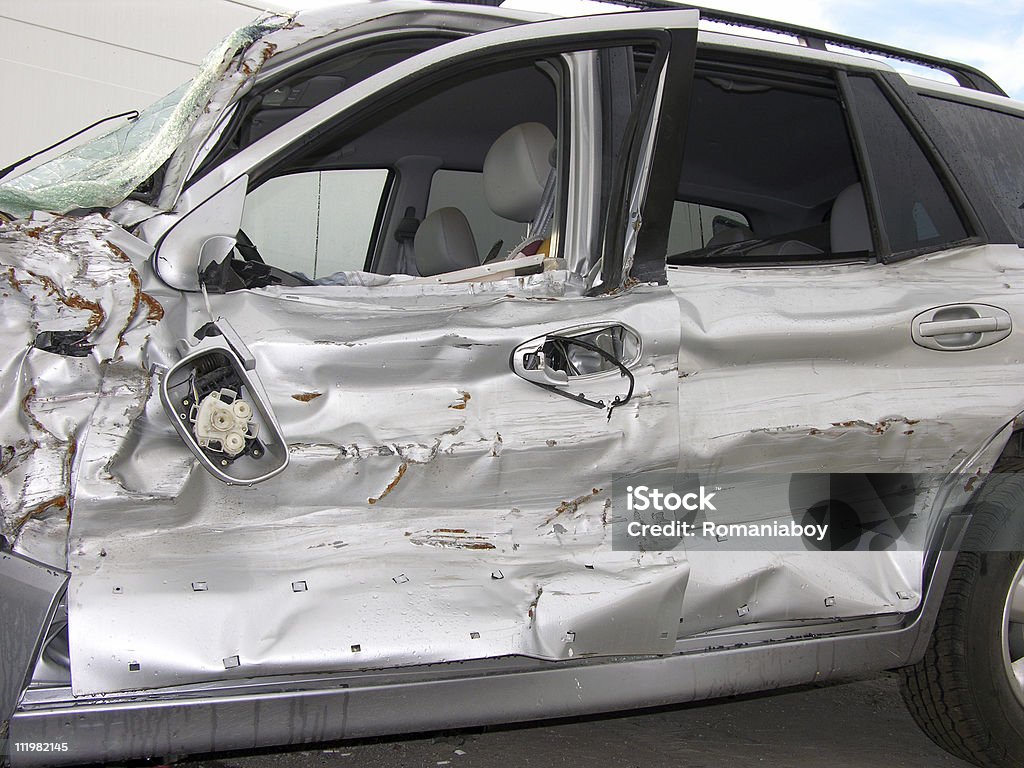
[66,63]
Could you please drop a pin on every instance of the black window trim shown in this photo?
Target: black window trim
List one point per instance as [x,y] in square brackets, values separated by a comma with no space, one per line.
[879,237]
[651,253]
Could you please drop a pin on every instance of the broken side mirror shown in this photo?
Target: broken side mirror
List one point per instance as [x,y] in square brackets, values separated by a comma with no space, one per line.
[220,409]
[204,235]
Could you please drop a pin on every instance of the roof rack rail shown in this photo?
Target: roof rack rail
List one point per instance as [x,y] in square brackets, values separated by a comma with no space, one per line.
[966,75]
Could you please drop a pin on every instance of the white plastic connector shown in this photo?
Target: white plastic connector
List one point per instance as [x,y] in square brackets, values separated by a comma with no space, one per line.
[222,422]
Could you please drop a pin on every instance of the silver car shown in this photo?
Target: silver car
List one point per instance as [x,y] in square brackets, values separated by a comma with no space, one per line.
[421,365]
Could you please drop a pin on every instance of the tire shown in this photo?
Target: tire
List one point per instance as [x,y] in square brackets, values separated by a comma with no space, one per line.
[961,693]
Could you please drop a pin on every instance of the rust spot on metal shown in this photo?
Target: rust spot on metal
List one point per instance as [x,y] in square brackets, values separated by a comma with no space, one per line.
[268,51]
[29,397]
[531,611]
[451,538]
[391,486]
[14,281]
[57,502]
[136,281]
[155,312]
[571,507]
[877,427]
[465,397]
[305,397]
[113,249]
[74,301]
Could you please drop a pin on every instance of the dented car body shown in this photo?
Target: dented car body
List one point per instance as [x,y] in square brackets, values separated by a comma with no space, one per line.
[351,474]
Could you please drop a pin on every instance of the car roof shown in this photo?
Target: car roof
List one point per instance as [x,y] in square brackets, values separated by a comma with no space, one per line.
[318,27]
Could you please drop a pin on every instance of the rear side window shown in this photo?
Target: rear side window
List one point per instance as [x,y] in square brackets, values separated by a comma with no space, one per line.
[994,142]
[917,213]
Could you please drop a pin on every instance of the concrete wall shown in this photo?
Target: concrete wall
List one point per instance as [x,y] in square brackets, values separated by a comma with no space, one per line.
[66,63]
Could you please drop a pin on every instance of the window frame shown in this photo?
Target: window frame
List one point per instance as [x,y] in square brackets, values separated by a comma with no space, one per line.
[557,52]
[976,212]
[949,182]
[214,197]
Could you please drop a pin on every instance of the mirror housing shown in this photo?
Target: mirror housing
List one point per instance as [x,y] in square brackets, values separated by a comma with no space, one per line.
[194,239]
[219,408]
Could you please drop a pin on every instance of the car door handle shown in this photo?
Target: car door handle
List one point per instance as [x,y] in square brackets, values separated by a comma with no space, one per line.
[967,325]
[530,363]
[960,327]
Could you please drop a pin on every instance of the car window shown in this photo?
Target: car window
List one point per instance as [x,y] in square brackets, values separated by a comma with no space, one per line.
[315,223]
[767,157]
[916,210]
[994,142]
[465,190]
[693,225]
[282,98]
[433,223]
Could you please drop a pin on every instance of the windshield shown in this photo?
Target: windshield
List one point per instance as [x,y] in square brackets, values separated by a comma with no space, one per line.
[104,171]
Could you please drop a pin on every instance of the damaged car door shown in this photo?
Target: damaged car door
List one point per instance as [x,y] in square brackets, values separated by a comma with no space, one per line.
[838,293]
[410,462]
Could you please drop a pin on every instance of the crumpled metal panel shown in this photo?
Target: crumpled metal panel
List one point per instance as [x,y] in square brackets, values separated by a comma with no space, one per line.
[102,172]
[812,370]
[60,274]
[423,516]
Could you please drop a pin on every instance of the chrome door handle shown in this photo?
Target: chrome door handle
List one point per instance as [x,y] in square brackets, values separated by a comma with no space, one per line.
[529,362]
[960,327]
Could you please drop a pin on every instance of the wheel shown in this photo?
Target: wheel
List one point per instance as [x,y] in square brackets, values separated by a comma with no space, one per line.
[967,693]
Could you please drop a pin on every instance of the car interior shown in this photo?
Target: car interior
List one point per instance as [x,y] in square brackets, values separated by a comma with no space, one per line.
[769,153]
[457,177]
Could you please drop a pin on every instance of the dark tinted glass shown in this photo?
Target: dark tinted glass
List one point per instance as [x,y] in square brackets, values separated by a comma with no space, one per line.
[994,143]
[916,210]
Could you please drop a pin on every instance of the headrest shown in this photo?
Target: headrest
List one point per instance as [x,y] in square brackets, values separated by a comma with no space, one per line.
[516,169]
[849,229]
[730,235]
[444,243]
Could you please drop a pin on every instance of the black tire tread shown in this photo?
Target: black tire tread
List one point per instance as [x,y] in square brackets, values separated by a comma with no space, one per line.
[937,690]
